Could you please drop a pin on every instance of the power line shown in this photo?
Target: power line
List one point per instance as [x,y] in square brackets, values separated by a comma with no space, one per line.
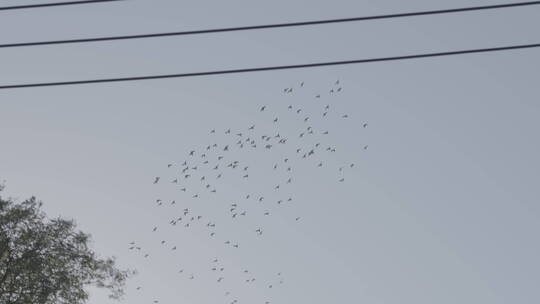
[272,68]
[16,7]
[269,26]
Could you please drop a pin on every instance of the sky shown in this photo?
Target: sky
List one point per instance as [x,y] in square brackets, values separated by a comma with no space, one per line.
[441,208]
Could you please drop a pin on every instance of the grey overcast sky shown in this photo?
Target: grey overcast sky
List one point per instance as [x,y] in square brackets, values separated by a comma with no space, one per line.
[442,208]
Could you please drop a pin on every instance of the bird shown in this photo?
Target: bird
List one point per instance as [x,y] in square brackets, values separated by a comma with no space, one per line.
[251,141]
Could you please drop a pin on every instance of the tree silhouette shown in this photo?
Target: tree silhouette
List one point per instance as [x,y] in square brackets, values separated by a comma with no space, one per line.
[46,261]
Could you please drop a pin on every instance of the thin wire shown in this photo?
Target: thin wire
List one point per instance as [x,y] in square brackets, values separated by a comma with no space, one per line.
[272,68]
[16,7]
[268,26]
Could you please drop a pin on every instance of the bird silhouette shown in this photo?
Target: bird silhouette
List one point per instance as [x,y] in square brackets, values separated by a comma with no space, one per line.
[246,144]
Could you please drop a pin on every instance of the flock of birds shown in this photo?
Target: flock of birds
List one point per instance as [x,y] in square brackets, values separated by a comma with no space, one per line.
[203,172]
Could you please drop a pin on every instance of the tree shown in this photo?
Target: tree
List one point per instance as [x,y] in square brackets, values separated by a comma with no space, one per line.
[47,261]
